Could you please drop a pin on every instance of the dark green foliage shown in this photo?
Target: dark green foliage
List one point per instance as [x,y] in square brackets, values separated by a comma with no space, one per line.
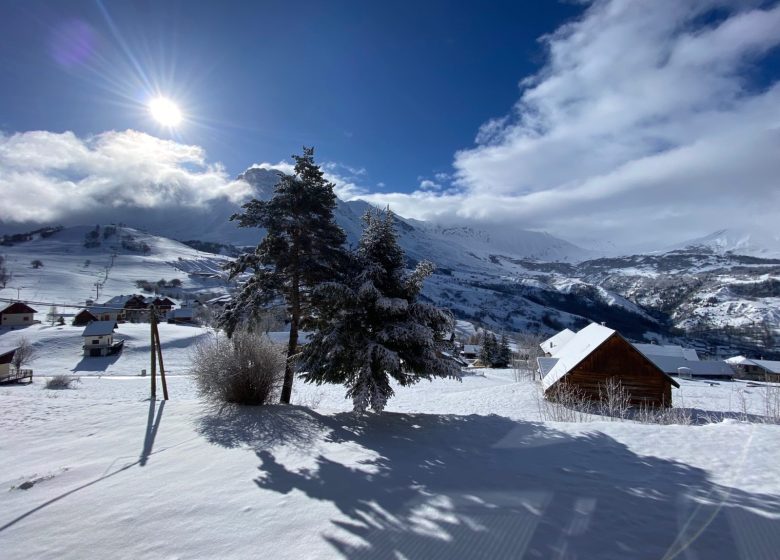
[371,328]
[301,249]
[495,354]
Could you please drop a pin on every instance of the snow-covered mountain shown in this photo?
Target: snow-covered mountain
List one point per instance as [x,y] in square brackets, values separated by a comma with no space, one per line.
[508,278]
[756,242]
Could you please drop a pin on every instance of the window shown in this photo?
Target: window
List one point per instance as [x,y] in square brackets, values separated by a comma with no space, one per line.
[96,341]
[26,318]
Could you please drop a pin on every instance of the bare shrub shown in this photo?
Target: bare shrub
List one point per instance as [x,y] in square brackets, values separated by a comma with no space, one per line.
[245,369]
[614,399]
[771,397]
[25,353]
[567,403]
[61,382]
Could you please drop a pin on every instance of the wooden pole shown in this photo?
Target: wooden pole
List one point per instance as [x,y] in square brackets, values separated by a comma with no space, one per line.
[160,358]
[152,320]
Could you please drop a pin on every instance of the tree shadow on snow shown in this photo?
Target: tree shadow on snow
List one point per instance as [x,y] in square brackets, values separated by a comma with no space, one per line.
[450,487]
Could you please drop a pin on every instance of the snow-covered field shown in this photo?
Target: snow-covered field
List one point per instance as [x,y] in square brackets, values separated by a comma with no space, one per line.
[450,470]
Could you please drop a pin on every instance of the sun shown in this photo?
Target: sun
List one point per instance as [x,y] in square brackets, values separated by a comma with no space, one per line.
[165,111]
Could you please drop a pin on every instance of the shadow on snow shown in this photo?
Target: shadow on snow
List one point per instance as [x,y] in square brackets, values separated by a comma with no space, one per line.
[446,486]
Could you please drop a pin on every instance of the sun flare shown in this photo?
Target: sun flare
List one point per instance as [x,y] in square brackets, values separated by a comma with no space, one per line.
[165,111]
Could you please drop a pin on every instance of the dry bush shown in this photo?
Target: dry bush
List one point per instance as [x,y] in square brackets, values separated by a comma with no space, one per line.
[246,368]
[61,382]
[614,400]
[567,403]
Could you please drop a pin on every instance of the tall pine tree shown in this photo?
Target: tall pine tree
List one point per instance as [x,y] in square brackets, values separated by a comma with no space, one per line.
[301,249]
[372,328]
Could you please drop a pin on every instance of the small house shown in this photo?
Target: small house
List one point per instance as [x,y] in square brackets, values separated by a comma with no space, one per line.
[183,316]
[99,339]
[668,351]
[597,353]
[553,344]
[693,369]
[83,317]
[8,373]
[471,351]
[755,370]
[17,314]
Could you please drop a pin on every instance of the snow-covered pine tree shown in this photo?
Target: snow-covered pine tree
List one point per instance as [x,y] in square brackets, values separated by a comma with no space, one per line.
[301,249]
[489,351]
[371,327]
[504,354]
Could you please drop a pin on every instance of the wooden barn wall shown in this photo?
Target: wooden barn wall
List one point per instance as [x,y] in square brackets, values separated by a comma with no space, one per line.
[638,376]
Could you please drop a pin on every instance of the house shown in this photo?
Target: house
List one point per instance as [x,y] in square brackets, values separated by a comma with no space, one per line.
[106,313]
[99,339]
[694,369]
[83,317]
[183,316]
[471,351]
[8,373]
[165,304]
[17,314]
[756,370]
[556,342]
[668,351]
[597,353]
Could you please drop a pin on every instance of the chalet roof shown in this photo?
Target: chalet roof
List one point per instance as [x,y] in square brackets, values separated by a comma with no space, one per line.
[6,355]
[184,312]
[771,366]
[546,364]
[99,328]
[97,309]
[17,307]
[554,344]
[578,347]
[672,365]
[667,350]
[472,348]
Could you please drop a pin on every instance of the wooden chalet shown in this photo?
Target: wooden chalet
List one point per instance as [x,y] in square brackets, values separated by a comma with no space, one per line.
[8,373]
[99,339]
[596,354]
[17,314]
[755,370]
[83,318]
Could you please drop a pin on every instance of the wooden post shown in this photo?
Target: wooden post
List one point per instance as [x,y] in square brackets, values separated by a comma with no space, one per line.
[152,320]
[160,358]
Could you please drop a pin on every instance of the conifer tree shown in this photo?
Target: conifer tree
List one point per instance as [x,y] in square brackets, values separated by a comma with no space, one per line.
[301,249]
[504,357]
[487,354]
[371,328]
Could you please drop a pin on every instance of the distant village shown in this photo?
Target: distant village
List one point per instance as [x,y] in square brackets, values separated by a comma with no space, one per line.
[583,359]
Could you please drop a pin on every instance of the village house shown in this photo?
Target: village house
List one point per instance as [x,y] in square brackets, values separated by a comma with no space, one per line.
[755,370]
[8,373]
[99,339]
[597,353]
[471,351]
[183,316]
[17,314]
[675,360]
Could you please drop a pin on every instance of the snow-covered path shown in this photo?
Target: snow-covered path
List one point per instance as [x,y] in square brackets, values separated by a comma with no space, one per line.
[453,470]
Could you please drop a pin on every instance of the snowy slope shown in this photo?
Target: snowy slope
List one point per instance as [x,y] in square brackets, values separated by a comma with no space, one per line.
[452,470]
[70,270]
[756,242]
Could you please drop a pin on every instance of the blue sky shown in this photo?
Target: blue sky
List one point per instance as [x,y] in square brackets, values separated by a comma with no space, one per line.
[393,88]
[638,123]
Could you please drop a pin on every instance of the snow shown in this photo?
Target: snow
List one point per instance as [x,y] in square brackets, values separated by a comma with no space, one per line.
[452,470]
[555,343]
[576,350]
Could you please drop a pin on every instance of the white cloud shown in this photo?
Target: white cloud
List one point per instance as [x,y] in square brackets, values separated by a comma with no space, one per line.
[47,176]
[642,124]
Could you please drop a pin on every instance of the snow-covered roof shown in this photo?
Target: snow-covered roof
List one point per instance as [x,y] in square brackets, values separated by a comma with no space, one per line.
[668,350]
[184,312]
[672,365]
[554,344]
[99,328]
[472,348]
[17,307]
[546,364]
[771,366]
[97,309]
[576,349]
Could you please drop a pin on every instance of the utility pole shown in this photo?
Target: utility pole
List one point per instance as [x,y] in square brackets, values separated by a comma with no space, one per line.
[156,355]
